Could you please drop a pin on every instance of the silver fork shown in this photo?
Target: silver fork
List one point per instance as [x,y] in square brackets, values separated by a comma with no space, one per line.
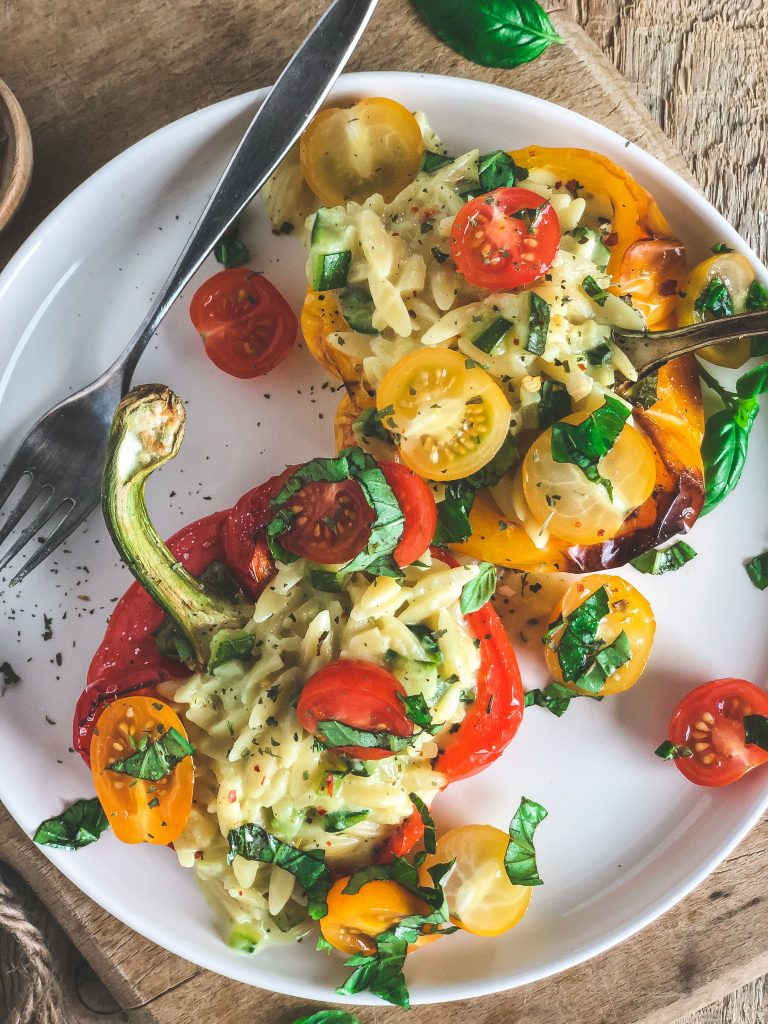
[63,453]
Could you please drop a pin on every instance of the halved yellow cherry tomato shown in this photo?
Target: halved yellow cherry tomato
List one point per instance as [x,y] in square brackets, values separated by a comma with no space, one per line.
[351,153]
[481,898]
[652,271]
[450,419]
[138,810]
[573,508]
[736,273]
[628,612]
[354,920]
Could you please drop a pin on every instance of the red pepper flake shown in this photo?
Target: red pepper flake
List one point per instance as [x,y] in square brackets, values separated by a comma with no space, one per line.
[668,287]
[198,854]
[573,186]
[611,239]
[232,795]
[321,810]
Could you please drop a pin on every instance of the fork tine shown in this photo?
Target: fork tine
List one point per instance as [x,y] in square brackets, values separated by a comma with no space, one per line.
[21,507]
[69,522]
[14,471]
[46,512]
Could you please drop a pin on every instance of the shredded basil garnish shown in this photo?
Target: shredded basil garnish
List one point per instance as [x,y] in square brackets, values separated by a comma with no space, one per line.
[338,821]
[594,291]
[757,569]
[672,751]
[154,759]
[584,444]
[655,563]
[538,324]
[79,825]
[520,856]
[554,403]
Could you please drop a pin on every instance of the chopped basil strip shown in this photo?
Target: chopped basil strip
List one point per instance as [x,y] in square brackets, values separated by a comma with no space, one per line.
[555,697]
[453,526]
[554,403]
[417,710]
[671,751]
[757,298]
[428,639]
[520,856]
[584,444]
[328,581]
[328,1016]
[577,644]
[430,841]
[505,458]
[230,250]
[439,255]
[332,734]
[382,972]
[337,821]
[387,530]
[323,945]
[538,324]
[645,392]
[529,215]
[757,568]
[79,825]
[499,170]
[154,760]
[600,355]
[607,660]
[368,424]
[480,590]
[655,563]
[720,247]
[434,161]
[714,299]
[230,646]
[491,337]
[252,842]
[357,308]
[594,291]
[756,730]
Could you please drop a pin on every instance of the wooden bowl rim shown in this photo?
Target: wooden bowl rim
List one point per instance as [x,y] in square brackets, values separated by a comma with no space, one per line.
[16,164]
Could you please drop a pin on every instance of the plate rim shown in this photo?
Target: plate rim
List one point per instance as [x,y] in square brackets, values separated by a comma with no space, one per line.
[363,82]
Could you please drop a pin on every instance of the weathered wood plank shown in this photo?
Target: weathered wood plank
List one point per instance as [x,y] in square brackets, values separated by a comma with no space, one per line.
[94,76]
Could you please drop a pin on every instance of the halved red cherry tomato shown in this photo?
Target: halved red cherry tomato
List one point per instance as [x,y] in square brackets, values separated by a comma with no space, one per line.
[138,810]
[246,324]
[505,239]
[332,522]
[418,507]
[710,722]
[246,552]
[495,716]
[360,695]
[127,660]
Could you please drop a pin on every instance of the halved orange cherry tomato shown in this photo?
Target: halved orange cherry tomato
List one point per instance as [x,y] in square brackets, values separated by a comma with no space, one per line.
[574,508]
[138,810]
[246,324]
[653,271]
[505,239]
[354,920]
[351,153]
[362,696]
[628,612]
[481,898]
[710,722]
[332,522]
[418,507]
[450,418]
[321,316]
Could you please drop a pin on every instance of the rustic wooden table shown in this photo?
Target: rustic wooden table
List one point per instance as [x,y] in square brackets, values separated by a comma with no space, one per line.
[700,68]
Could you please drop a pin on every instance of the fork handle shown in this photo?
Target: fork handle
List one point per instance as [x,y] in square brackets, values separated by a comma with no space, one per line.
[289,106]
[648,350]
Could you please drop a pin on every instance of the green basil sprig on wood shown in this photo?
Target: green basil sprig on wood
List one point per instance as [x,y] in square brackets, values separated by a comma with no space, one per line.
[494,33]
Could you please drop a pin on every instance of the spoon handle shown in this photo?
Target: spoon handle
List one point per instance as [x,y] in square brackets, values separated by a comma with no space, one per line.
[648,350]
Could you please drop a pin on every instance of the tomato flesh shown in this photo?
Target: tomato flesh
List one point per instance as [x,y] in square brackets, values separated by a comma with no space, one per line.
[419,511]
[332,522]
[246,324]
[710,722]
[360,695]
[505,239]
[140,811]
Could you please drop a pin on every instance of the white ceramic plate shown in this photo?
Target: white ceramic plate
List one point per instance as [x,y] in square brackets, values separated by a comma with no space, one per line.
[627,836]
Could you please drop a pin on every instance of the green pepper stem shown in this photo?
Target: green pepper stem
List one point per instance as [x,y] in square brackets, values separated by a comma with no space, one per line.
[147,431]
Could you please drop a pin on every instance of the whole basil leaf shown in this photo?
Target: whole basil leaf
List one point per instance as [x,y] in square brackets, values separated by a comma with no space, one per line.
[724,452]
[328,1016]
[478,591]
[338,821]
[494,33]
[757,569]
[79,825]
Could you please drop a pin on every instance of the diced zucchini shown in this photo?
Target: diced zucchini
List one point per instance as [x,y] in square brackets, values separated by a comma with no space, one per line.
[490,337]
[329,270]
[330,252]
[416,676]
[357,308]
[587,243]
[245,938]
